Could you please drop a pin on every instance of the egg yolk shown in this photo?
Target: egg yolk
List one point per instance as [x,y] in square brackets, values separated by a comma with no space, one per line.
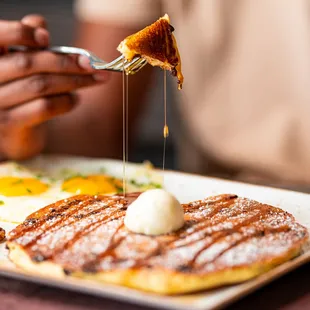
[14,186]
[92,185]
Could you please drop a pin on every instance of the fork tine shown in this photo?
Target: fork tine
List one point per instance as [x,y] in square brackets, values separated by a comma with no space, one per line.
[128,66]
[140,67]
[116,61]
[140,64]
[124,65]
[111,65]
[137,66]
[131,63]
[120,64]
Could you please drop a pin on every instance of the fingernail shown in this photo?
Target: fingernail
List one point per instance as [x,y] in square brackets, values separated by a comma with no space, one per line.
[41,36]
[102,76]
[83,62]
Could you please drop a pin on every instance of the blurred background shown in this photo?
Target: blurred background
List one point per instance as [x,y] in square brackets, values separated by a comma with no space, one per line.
[253,124]
[59,15]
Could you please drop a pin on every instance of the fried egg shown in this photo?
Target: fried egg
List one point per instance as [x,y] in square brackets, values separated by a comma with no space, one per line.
[23,191]
[17,186]
[92,185]
[28,186]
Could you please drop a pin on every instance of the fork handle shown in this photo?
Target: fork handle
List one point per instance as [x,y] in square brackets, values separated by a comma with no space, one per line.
[69,50]
[57,49]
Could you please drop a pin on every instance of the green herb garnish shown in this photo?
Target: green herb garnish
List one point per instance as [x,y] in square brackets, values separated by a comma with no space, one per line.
[156,185]
[1,202]
[134,182]
[145,185]
[119,189]
[102,170]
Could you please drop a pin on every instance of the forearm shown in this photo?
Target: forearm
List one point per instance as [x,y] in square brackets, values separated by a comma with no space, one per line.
[94,128]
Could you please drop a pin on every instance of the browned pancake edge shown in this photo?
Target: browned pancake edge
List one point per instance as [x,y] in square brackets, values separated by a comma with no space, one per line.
[86,235]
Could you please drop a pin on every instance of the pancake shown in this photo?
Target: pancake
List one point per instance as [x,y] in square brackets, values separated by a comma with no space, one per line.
[157,45]
[225,240]
[2,234]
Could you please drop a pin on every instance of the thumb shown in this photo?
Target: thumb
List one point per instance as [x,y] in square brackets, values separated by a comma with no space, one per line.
[35,21]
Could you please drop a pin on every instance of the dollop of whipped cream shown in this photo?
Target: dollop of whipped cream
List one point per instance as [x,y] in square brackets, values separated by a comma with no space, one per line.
[154,212]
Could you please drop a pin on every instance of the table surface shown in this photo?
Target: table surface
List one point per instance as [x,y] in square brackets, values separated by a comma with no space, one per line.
[290,292]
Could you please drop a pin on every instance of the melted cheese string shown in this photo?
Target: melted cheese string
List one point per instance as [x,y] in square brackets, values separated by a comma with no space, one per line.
[127,116]
[125,103]
[166,128]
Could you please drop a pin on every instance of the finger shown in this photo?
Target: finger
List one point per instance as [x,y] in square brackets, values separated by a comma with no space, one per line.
[84,63]
[41,85]
[38,111]
[2,51]
[22,64]
[17,143]
[34,21]
[17,33]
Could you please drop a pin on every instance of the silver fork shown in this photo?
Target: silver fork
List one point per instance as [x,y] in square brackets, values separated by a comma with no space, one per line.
[119,64]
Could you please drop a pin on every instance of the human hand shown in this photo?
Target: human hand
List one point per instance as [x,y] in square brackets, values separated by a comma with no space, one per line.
[35,86]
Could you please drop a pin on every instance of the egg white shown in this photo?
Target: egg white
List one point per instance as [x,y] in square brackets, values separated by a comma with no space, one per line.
[53,170]
[15,209]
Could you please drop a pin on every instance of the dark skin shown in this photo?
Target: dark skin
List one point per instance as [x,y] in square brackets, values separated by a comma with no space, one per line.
[36,92]
[42,108]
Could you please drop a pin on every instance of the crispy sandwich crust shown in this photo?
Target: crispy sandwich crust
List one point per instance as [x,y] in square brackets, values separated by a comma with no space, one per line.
[157,45]
[2,234]
[225,240]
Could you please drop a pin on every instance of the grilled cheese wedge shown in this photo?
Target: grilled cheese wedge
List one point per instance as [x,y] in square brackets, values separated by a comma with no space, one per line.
[157,45]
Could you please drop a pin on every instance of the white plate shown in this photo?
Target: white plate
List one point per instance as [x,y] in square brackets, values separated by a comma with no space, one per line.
[187,188]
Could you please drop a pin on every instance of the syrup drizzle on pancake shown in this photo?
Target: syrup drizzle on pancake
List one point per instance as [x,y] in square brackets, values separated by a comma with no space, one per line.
[88,233]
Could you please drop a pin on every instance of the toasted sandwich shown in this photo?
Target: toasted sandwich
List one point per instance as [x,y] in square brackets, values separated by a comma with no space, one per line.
[156,43]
